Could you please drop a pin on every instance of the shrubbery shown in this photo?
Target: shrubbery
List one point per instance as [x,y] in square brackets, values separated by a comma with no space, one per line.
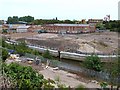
[47,54]
[24,77]
[93,62]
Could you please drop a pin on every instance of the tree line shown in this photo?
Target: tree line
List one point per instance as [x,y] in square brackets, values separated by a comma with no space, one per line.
[16,19]
[31,20]
[112,25]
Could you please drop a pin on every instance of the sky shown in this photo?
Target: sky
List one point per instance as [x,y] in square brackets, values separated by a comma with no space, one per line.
[62,9]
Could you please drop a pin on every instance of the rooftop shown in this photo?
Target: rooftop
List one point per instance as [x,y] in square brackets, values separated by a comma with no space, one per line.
[23,26]
[68,24]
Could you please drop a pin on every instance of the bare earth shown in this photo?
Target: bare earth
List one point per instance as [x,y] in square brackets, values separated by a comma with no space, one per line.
[104,42]
[66,78]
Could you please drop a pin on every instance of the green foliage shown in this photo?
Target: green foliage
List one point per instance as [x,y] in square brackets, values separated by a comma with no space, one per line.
[53,21]
[103,84]
[21,48]
[80,87]
[23,77]
[100,26]
[13,20]
[16,19]
[5,54]
[113,25]
[47,55]
[2,42]
[49,84]
[114,72]
[26,18]
[5,31]
[93,62]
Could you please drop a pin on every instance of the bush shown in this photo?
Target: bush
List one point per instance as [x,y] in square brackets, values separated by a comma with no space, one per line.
[23,77]
[47,55]
[5,54]
[93,62]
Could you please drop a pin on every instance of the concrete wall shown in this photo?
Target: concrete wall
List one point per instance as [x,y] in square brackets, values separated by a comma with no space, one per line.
[71,56]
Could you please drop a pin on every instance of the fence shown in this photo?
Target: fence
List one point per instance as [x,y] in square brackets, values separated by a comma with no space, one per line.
[77,69]
[102,76]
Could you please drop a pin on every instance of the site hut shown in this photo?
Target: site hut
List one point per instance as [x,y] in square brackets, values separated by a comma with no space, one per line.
[23,29]
[12,28]
[69,28]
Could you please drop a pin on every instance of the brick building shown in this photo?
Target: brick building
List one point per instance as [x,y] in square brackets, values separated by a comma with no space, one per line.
[95,21]
[69,28]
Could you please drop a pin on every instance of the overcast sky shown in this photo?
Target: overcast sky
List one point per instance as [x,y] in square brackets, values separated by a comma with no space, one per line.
[62,9]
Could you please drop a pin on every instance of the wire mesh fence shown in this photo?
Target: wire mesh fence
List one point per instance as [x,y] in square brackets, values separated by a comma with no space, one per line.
[104,76]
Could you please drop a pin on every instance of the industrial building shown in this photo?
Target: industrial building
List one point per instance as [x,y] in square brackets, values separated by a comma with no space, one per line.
[21,29]
[69,28]
[95,21]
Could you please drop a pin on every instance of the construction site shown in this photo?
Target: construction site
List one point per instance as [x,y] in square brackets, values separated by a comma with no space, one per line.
[99,42]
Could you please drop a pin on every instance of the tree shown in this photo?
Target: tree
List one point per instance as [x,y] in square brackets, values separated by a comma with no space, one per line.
[12,20]
[113,25]
[15,19]
[93,62]
[68,21]
[100,26]
[9,20]
[26,18]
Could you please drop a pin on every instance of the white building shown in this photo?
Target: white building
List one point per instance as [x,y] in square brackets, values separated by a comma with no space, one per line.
[23,28]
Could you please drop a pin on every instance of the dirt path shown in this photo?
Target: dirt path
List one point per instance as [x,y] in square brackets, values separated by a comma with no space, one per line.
[66,78]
